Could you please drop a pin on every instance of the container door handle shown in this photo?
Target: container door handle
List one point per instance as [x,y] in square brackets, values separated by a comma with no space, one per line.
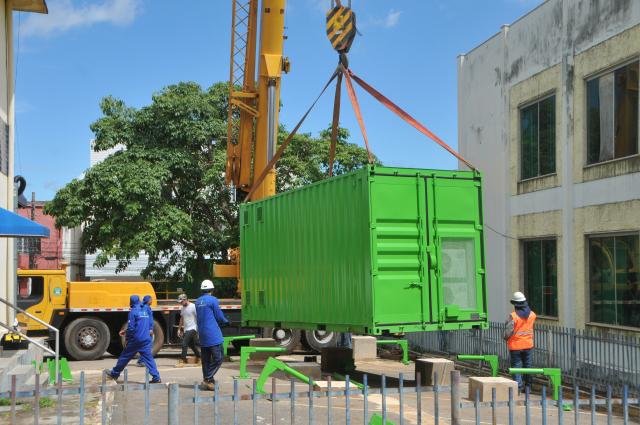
[415,285]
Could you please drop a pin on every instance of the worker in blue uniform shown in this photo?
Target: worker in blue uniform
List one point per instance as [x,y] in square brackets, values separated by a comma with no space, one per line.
[146,303]
[138,336]
[210,318]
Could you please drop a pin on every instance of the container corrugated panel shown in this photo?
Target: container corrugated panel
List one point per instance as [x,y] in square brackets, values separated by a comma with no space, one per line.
[380,249]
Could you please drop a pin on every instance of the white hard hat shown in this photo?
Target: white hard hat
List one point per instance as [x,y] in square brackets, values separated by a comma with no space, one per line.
[518,297]
[206,284]
[182,297]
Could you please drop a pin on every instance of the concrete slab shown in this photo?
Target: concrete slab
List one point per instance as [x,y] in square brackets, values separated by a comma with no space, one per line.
[485,384]
[364,348]
[430,367]
[263,342]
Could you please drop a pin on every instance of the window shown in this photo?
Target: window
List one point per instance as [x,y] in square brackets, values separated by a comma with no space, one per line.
[613,280]
[30,291]
[459,272]
[612,114]
[28,245]
[540,276]
[538,138]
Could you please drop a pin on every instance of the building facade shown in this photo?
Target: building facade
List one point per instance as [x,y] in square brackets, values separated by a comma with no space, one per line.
[548,111]
[7,114]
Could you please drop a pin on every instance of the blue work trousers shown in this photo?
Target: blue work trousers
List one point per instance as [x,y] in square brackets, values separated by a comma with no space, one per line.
[522,358]
[211,361]
[144,348]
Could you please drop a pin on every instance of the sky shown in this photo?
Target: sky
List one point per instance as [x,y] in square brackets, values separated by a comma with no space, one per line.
[84,50]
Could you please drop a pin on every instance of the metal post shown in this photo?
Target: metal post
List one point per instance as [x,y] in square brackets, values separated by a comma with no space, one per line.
[59,406]
[273,400]
[544,405]
[36,407]
[196,403]
[400,397]
[494,413]
[174,404]
[455,397]
[365,395]
[82,396]
[436,398]
[254,400]
[13,399]
[147,397]
[418,398]
[347,401]
[103,397]
[236,396]
[310,403]
[511,405]
[293,401]
[384,399]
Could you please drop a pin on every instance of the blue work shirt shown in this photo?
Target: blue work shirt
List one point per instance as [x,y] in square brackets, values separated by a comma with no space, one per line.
[209,317]
[146,303]
[138,325]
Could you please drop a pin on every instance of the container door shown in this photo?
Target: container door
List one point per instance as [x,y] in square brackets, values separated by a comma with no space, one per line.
[398,252]
[456,234]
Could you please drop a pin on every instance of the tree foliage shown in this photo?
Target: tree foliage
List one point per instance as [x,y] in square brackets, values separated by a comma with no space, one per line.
[163,192]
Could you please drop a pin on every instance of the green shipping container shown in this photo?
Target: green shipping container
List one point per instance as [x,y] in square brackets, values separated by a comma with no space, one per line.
[374,251]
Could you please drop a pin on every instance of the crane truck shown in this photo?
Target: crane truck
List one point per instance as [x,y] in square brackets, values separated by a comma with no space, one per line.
[90,315]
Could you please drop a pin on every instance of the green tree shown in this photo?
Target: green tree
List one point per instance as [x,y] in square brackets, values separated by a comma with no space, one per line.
[164,192]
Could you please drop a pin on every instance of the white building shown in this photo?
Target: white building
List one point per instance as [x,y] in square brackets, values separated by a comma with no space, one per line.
[548,111]
[7,131]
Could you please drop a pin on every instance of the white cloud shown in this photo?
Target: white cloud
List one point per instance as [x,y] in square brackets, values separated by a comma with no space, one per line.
[389,21]
[392,19]
[66,14]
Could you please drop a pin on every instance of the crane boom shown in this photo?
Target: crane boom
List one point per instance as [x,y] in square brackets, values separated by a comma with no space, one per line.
[253,111]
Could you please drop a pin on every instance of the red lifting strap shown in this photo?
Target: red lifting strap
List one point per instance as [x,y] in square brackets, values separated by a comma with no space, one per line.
[356,110]
[405,116]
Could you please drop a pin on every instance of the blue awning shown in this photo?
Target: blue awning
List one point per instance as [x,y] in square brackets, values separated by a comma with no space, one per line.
[13,225]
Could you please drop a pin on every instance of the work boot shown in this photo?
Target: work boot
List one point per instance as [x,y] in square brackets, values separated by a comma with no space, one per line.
[156,381]
[110,375]
[207,386]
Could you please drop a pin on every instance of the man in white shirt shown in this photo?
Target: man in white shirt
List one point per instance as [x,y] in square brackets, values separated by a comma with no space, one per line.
[188,328]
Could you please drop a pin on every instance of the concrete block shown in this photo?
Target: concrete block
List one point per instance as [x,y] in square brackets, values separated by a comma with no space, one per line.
[364,348]
[263,342]
[336,359]
[428,368]
[312,370]
[485,385]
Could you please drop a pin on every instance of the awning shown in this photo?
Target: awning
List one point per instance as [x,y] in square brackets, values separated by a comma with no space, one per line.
[13,225]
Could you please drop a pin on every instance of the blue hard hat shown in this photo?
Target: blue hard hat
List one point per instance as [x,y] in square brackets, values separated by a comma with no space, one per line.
[146,299]
[134,300]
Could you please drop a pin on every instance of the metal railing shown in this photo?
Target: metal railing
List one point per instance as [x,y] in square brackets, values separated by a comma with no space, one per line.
[586,357]
[16,329]
[392,399]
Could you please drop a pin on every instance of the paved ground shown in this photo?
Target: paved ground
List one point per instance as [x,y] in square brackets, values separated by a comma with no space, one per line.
[129,407]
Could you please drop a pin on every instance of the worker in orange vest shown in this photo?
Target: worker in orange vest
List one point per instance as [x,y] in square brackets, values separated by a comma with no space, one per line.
[519,336]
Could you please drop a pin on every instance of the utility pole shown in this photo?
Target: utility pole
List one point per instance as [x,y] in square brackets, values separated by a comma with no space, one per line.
[31,245]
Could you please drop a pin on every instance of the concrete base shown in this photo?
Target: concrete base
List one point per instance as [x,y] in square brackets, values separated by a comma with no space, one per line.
[429,368]
[364,348]
[486,383]
[337,359]
[312,370]
[263,342]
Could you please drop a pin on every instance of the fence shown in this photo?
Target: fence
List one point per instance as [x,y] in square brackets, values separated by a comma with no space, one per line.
[587,357]
[396,400]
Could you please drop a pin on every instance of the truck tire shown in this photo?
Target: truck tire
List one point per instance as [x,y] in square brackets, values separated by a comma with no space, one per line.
[317,340]
[286,338]
[158,337]
[86,338]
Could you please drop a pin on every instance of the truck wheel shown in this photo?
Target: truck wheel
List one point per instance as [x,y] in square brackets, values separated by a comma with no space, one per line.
[86,338]
[158,337]
[317,340]
[285,338]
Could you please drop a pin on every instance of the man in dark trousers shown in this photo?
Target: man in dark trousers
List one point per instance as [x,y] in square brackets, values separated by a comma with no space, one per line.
[146,304]
[209,318]
[519,336]
[138,335]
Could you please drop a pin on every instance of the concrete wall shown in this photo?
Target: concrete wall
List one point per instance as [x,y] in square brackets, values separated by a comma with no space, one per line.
[7,252]
[550,50]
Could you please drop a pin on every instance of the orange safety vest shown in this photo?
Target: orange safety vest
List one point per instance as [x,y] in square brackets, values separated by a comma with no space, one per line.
[522,338]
